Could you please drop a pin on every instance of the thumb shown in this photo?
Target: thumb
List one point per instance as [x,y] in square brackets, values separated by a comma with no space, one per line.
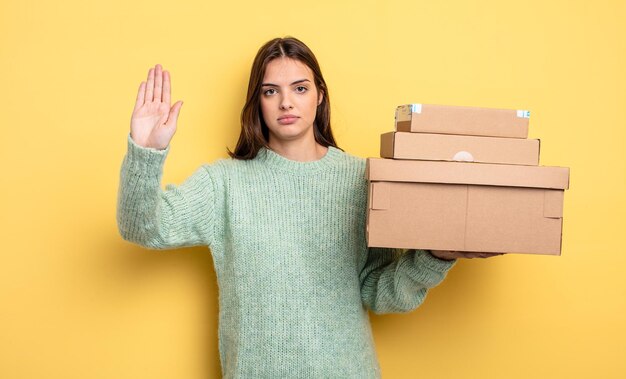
[173,116]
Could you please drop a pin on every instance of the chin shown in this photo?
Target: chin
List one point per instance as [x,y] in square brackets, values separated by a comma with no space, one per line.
[288,137]
[286,133]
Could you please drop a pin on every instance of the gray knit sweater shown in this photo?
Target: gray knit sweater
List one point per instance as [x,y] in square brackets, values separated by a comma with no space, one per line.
[294,272]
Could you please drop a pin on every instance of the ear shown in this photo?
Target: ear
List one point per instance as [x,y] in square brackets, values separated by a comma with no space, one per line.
[320,97]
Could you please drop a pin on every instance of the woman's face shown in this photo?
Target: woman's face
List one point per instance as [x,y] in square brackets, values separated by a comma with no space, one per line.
[289,100]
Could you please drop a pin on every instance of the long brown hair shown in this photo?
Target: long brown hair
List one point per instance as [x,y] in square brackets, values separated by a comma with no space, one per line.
[254,131]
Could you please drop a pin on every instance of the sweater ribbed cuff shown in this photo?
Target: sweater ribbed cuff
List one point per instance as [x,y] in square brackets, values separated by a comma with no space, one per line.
[145,157]
[440,265]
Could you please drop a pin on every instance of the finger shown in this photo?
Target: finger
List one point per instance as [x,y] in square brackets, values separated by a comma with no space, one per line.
[150,86]
[173,116]
[166,87]
[460,254]
[158,83]
[140,96]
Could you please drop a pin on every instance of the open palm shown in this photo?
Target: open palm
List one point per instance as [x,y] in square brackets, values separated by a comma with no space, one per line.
[153,122]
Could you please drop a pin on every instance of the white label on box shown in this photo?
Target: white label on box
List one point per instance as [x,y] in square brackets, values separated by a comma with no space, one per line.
[523,114]
[416,108]
[463,156]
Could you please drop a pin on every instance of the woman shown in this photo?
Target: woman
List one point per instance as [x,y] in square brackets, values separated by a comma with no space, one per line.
[285,220]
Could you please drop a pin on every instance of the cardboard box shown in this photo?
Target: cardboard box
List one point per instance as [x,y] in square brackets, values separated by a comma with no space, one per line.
[446,147]
[447,119]
[465,206]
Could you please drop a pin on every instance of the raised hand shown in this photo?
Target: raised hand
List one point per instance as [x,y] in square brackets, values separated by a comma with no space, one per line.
[153,122]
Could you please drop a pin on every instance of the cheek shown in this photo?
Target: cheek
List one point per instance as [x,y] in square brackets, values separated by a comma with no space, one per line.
[265,109]
[263,104]
[311,106]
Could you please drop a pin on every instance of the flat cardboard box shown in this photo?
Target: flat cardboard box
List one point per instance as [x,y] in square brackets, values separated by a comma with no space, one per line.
[465,206]
[449,119]
[447,147]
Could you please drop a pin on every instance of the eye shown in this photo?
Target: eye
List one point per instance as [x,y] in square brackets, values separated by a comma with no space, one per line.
[301,89]
[266,92]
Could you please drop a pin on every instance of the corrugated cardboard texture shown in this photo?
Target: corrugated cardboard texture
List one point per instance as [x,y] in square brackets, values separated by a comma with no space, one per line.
[466,218]
[446,147]
[476,121]
[379,198]
[553,204]
[392,170]
[417,220]
[511,219]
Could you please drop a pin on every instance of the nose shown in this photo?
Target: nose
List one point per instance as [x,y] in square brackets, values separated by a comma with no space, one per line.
[285,103]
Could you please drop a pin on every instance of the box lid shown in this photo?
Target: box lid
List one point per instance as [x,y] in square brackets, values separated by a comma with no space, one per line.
[394,170]
[449,147]
[462,120]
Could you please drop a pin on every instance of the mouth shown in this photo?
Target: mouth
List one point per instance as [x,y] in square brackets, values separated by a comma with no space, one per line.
[288,119]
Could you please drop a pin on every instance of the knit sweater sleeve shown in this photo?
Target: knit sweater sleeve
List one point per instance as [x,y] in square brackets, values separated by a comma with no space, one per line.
[397,281]
[178,216]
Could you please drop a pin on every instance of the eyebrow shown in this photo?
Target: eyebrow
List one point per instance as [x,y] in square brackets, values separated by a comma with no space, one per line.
[276,85]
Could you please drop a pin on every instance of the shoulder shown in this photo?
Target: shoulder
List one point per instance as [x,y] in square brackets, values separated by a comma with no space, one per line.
[223,168]
[350,160]
[226,164]
[350,166]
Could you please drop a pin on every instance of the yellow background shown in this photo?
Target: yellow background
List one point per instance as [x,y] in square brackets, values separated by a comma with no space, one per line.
[79,302]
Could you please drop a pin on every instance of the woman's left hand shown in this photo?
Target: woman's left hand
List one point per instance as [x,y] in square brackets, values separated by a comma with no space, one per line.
[450,255]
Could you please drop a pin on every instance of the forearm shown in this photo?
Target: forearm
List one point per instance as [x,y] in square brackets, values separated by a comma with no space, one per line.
[398,282]
[138,192]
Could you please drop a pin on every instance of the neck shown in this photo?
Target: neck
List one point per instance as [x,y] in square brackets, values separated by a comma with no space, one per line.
[300,150]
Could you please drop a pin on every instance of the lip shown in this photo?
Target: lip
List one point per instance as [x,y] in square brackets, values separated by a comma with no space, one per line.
[287,119]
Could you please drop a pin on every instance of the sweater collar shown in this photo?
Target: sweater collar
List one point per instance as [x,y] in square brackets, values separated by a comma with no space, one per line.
[275,160]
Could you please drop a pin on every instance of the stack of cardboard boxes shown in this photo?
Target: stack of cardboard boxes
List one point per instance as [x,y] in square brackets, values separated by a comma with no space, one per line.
[464,179]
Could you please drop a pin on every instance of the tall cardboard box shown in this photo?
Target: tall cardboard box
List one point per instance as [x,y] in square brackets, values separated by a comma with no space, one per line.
[465,206]
[448,147]
[450,119]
